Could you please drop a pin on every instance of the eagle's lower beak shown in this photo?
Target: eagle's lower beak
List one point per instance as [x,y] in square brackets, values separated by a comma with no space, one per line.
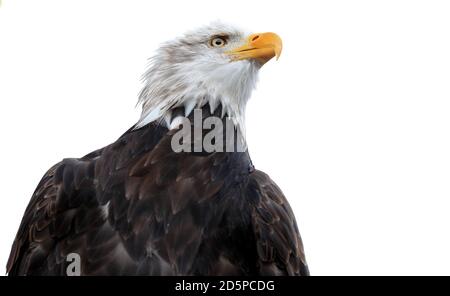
[261,47]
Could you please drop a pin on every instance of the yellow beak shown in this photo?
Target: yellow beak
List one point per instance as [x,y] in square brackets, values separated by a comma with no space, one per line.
[261,47]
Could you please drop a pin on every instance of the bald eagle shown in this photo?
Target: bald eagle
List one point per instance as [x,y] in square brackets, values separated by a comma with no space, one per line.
[138,207]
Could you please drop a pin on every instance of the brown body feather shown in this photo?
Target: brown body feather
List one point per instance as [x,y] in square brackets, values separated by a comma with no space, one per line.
[136,207]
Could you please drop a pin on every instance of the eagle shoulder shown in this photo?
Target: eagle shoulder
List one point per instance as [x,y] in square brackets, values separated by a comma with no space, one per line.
[63,196]
[278,243]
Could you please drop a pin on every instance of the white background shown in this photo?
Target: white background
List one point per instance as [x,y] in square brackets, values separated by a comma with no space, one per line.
[353,122]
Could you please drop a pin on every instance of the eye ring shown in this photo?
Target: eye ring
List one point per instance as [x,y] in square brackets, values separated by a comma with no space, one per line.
[218,41]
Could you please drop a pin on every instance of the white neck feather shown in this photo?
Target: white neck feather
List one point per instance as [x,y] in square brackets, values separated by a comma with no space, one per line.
[195,84]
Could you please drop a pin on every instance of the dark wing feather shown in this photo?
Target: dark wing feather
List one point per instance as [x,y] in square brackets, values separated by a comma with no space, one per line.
[62,203]
[34,221]
[278,243]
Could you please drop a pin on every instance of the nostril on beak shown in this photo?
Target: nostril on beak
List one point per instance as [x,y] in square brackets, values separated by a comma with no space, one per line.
[255,38]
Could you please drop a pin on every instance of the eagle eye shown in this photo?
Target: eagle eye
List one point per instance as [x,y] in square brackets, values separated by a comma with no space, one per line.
[218,41]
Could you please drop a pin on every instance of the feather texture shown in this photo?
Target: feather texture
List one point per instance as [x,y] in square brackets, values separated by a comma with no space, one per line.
[187,73]
[136,207]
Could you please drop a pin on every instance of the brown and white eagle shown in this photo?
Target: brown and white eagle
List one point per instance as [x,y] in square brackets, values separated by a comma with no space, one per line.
[138,207]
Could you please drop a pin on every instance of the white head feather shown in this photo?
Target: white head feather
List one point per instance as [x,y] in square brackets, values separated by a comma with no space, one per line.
[188,72]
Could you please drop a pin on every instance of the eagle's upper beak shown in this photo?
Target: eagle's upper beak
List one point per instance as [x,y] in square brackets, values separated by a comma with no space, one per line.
[262,47]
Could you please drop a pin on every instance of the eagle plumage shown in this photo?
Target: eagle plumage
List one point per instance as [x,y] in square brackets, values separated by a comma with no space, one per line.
[136,207]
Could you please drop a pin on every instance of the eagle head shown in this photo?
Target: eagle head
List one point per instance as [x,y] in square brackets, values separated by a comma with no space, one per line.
[215,65]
